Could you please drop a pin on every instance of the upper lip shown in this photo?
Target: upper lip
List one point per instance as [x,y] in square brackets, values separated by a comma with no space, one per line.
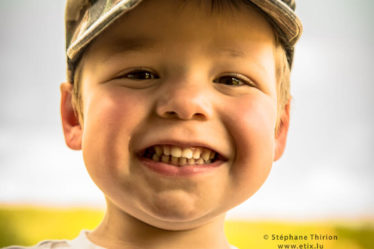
[182,144]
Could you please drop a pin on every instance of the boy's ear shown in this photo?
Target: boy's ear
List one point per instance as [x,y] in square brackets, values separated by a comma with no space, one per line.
[70,121]
[281,132]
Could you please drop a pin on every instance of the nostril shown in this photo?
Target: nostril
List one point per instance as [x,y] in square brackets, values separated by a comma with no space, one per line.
[170,114]
[199,116]
[184,116]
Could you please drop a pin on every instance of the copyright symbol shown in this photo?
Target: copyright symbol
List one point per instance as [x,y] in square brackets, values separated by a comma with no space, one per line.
[266,236]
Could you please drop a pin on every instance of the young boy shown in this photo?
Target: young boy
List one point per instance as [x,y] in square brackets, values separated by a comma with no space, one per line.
[180,108]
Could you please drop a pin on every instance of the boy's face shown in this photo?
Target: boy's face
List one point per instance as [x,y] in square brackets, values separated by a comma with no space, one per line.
[173,74]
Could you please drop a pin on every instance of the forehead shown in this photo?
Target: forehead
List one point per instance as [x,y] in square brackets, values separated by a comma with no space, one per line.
[165,19]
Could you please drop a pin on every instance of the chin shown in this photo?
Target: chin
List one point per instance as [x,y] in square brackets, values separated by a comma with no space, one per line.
[175,213]
[176,218]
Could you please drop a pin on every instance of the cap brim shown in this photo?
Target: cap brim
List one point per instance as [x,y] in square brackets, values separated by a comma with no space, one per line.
[86,33]
[284,18]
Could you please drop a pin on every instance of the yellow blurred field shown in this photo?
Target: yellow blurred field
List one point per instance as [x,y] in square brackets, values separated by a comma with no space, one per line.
[29,225]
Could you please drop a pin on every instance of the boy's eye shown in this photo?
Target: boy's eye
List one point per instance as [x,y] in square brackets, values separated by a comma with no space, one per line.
[233,80]
[140,75]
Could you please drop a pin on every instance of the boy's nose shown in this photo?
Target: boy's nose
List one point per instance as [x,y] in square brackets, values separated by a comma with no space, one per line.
[185,101]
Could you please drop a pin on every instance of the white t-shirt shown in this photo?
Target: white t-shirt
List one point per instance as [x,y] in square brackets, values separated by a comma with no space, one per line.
[80,242]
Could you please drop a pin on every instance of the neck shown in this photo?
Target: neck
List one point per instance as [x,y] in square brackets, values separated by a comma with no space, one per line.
[120,230]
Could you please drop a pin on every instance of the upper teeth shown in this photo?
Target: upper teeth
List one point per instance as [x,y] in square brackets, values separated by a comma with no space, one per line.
[182,156]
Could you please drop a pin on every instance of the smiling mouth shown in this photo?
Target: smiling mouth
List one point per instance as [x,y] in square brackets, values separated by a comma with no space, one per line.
[179,156]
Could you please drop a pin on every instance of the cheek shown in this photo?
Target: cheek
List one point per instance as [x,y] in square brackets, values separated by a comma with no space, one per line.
[110,117]
[250,121]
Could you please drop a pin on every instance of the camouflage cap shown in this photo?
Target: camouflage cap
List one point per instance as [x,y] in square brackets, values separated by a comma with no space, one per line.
[86,19]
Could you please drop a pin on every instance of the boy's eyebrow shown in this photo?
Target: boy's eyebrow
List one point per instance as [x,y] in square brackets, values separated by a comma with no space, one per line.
[231,52]
[130,44]
[133,44]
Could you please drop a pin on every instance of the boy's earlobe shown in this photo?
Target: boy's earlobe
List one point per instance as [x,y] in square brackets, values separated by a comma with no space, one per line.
[281,133]
[70,120]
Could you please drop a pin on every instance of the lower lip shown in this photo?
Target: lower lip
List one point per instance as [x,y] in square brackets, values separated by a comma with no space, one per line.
[176,171]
